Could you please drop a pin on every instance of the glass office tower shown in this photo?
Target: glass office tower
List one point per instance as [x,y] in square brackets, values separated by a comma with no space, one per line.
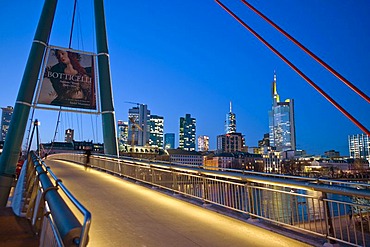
[281,122]
[187,133]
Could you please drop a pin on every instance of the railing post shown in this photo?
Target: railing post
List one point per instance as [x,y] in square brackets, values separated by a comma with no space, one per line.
[31,196]
[204,190]
[251,200]
[329,221]
[174,181]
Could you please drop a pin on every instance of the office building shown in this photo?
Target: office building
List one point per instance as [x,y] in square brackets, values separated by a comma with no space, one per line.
[122,132]
[180,156]
[169,141]
[281,122]
[265,142]
[230,143]
[203,143]
[332,154]
[230,126]
[187,133]
[69,135]
[138,125]
[156,124]
[6,116]
[359,146]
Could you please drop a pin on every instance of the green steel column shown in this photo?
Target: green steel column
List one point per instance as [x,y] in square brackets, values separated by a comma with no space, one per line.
[106,95]
[17,127]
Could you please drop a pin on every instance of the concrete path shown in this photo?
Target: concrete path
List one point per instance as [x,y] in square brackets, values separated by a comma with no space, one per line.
[127,214]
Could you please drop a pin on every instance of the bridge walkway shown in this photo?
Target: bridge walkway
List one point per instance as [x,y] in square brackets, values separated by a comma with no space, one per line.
[128,214]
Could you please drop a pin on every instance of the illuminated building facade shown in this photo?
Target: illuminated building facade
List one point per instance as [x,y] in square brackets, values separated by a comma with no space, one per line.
[265,142]
[122,132]
[169,141]
[230,126]
[6,116]
[332,154]
[230,143]
[156,124]
[69,135]
[203,143]
[359,146]
[187,133]
[185,157]
[281,122]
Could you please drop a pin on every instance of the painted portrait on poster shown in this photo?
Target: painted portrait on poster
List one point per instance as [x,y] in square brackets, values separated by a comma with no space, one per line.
[69,80]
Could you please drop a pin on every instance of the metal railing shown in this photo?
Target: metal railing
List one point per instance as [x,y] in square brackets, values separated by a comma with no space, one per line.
[50,215]
[336,210]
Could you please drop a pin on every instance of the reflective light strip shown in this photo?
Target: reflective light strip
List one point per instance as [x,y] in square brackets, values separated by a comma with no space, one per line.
[23,103]
[38,41]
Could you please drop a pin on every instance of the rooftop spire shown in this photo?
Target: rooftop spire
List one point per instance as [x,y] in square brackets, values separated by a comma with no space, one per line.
[275,94]
[231,107]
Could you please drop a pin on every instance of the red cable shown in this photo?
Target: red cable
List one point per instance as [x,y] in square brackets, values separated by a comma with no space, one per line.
[322,92]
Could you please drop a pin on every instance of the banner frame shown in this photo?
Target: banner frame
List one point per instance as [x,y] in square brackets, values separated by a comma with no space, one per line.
[45,106]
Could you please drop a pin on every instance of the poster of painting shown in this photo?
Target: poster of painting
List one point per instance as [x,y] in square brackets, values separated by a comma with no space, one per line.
[69,79]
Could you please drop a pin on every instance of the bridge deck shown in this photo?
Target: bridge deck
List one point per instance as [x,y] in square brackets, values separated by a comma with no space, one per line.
[127,214]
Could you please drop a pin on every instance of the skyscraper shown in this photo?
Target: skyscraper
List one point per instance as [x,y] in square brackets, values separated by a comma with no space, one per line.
[6,116]
[230,126]
[281,122]
[169,140]
[359,146]
[203,143]
[122,132]
[156,131]
[187,133]
[138,125]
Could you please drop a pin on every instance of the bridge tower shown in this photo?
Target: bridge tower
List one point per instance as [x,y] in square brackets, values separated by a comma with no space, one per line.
[14,138]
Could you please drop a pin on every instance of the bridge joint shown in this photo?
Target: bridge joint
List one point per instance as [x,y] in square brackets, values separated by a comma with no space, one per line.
[23,103]
[103,54]
[47,190]
[40,42]
[40,173]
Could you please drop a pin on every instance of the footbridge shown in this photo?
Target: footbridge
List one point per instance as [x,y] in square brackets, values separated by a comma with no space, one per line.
[136,202]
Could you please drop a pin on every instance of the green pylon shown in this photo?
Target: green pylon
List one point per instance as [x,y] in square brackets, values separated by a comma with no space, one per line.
[17,127]
[106,95]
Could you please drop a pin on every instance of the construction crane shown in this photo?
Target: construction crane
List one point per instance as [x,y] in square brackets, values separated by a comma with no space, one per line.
[134,125]
[134,103]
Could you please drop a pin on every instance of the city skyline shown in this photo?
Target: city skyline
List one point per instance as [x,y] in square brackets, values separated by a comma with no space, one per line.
[192,58]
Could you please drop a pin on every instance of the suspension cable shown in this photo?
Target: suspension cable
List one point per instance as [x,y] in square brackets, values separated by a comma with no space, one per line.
[322,92]
[92,124]
[55,131]
[316,58]
[69,46]
[73,23]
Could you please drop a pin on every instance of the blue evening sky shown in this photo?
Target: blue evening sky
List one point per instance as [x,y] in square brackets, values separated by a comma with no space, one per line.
[183,57]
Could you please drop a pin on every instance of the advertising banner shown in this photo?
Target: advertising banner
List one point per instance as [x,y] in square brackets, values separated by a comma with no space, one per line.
[69,79]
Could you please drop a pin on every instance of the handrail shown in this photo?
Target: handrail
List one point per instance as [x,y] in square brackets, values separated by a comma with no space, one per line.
[228,171]
[87,215]
[45,206]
